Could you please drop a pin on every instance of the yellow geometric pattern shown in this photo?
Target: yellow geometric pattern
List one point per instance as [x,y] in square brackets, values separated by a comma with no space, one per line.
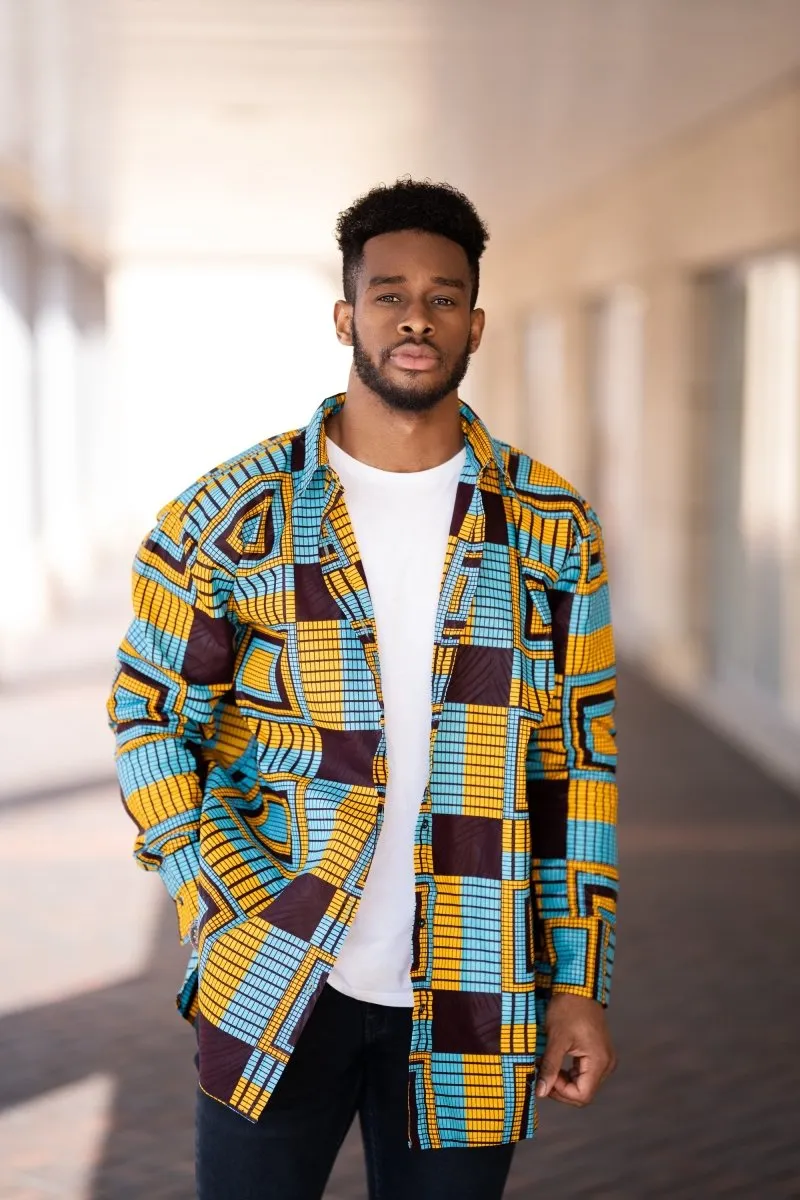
[252,756]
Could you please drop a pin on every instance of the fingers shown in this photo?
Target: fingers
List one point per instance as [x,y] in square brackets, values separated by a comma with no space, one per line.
[575,1026]
[566,1092]
[579,1085]
[611,1067]
[550,1068]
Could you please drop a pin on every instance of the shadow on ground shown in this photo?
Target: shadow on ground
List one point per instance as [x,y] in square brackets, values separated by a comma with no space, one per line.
[705,1006]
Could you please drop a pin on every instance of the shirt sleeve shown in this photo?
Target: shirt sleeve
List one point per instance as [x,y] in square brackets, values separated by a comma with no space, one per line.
[571,783]
[174,665]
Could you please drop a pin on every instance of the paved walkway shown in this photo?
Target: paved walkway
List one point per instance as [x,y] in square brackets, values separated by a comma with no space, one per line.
[96,1076]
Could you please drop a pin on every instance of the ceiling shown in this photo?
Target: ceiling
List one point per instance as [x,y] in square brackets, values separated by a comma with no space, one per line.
[241,127]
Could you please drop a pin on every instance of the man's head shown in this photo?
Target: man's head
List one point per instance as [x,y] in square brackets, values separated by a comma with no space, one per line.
[410,260]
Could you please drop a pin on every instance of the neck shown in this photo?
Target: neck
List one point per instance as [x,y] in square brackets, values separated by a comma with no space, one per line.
[382,437]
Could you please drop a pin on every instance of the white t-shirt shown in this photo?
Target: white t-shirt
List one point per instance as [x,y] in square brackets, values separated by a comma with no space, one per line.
[401,522]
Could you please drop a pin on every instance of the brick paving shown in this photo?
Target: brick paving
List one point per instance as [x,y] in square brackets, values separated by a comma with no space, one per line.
[96,1078]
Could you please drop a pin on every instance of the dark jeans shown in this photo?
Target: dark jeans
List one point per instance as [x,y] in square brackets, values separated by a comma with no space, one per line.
[351,1057]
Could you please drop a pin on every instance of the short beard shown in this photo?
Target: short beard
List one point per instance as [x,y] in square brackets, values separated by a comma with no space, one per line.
[404,399]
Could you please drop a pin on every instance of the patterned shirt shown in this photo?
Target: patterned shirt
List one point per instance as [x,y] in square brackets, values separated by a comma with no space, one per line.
[252,757]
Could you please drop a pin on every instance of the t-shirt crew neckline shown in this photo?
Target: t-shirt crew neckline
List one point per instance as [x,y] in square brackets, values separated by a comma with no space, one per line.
[399,479]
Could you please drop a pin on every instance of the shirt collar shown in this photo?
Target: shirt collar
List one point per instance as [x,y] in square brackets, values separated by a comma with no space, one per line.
[316,454]
[485,450]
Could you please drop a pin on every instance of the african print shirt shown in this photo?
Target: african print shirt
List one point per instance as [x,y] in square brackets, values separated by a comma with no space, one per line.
[252,757]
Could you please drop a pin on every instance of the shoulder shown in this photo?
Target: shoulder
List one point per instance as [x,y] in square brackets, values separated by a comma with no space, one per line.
[558,527]
[229,512]
[252,473]
[545,493]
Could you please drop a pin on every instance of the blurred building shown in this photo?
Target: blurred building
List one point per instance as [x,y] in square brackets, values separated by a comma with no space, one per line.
[170,172]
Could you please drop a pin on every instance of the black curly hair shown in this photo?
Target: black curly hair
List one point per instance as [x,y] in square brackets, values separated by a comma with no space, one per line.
[410,204]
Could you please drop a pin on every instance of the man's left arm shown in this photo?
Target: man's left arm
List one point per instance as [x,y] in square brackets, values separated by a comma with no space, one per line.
[573,805]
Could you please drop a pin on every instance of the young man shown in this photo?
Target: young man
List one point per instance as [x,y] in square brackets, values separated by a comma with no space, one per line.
[365,727]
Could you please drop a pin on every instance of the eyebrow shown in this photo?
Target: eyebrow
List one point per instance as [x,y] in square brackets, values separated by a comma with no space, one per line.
[438,280]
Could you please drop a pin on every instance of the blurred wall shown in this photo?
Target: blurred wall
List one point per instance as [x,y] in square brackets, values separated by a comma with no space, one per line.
[642,335]
[53,402]
[608,355]
[209,358]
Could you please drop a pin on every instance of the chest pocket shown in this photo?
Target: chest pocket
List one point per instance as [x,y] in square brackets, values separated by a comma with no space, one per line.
[535,675]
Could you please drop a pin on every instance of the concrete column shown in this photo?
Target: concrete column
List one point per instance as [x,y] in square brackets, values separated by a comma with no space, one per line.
[577,431]
[790,633]
[672,581]
[61,455]
[23,598]
[616,430]
[790,607]
[494,385]
[553,398]
[97,417]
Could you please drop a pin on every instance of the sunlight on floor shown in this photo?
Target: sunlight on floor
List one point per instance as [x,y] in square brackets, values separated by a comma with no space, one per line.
[94,916]
[49,1146]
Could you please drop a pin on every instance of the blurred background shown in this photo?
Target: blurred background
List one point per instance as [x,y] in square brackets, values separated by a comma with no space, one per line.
[170,175]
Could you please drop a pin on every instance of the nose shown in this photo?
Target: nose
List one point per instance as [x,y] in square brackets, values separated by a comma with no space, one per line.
[416,322]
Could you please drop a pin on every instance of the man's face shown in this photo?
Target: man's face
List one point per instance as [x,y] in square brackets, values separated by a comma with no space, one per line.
[411,328]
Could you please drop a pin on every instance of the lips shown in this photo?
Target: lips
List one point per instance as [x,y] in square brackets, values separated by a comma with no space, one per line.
[415,358]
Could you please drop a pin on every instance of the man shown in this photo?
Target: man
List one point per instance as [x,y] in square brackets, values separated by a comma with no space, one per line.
[365,727]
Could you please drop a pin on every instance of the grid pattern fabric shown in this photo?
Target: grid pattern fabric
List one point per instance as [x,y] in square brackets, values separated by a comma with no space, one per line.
[251,752]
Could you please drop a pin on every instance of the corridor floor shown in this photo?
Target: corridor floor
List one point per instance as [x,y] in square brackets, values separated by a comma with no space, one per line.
[96,1079]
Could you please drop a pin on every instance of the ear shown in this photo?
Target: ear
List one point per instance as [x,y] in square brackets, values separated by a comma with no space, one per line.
[343,320]
[477,326]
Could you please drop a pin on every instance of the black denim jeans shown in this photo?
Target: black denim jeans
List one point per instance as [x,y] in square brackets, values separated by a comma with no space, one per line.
[352,1057]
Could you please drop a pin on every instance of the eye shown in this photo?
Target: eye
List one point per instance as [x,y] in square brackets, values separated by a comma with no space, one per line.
[444,301]
[388,299]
